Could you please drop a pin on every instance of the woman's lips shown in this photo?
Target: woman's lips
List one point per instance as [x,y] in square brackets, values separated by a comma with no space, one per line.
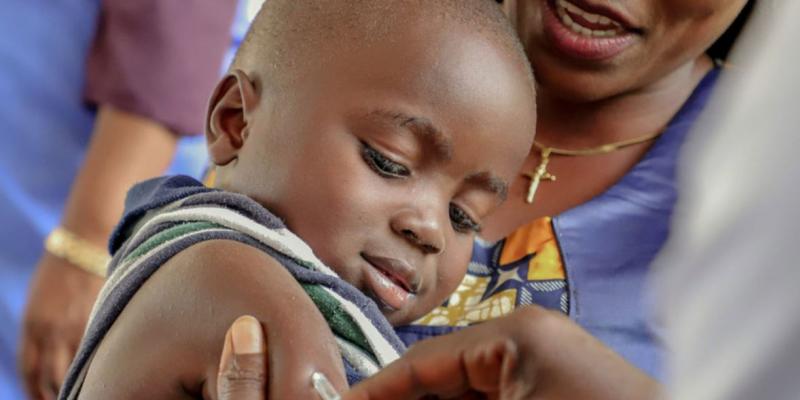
[390,280]
[579,33]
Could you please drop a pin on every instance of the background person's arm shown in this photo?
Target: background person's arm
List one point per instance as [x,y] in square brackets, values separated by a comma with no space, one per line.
[124,150]
[150,69]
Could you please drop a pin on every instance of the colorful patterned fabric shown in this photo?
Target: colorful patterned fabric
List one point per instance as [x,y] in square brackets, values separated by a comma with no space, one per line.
[590,262]
[178,212]
[523,269]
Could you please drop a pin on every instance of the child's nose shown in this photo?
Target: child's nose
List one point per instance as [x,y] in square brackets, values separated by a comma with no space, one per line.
[422,229]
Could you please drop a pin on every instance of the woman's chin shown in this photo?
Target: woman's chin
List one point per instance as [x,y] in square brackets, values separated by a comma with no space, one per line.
[578,86]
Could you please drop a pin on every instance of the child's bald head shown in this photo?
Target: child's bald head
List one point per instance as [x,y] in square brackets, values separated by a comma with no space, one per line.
[288,35]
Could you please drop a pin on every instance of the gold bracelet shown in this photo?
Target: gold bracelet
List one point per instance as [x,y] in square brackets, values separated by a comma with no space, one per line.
[77,251]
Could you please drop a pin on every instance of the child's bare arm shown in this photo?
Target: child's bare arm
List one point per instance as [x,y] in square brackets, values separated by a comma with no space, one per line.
[166,344]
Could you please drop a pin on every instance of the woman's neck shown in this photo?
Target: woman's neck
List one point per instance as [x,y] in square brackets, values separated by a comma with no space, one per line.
[574,125]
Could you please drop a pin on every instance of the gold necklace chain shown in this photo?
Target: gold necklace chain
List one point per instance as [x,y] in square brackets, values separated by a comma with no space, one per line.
[540,173]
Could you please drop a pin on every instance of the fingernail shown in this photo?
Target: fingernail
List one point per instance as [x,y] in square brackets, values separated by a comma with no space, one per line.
[247,336]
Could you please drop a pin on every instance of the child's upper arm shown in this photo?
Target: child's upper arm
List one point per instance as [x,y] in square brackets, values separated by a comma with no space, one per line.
[167,342]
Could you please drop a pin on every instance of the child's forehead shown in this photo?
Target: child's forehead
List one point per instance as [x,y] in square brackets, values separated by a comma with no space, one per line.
[449,86]
[422,59]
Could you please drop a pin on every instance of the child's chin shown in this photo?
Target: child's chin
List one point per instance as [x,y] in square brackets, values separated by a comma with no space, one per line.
[394,316]
[399,317]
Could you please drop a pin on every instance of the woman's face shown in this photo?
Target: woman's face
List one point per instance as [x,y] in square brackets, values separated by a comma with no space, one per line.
[585,50]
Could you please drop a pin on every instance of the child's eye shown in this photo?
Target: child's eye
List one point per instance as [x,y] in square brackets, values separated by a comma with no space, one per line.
[382,164]
[461,221]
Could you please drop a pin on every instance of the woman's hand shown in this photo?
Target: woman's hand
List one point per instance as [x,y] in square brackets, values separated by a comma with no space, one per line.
[532,353]
[243,367]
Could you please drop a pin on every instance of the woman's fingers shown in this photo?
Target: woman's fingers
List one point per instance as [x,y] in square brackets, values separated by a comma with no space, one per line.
[29,366]
[489,366]
[459,365]
[51,374]
[397,381]
[60,358]
[243,369]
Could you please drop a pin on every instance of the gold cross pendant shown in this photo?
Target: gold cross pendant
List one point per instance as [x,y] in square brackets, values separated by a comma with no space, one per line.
[539,174]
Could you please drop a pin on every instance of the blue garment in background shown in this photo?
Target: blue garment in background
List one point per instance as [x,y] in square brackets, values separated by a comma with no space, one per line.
[609,242]
[45,129]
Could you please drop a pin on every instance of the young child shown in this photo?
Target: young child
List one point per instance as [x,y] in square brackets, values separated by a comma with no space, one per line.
[380,133]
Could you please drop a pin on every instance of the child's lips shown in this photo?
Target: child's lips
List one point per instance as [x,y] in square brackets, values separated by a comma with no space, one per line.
[388,293]
[392,281]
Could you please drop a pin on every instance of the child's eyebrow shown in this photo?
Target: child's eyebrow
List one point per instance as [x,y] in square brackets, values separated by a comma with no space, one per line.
[491,183]
[421,127]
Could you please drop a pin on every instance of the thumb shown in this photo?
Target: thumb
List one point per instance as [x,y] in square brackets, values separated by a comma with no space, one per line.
[243,367]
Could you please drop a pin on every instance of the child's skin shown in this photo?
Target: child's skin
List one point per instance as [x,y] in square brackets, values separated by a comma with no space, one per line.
[384,156]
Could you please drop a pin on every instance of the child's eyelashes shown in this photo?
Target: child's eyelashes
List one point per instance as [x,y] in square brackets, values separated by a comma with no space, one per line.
[388,168]
[461,221]
[383,165]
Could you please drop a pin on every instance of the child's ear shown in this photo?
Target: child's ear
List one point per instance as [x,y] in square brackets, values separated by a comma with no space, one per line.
[229,116]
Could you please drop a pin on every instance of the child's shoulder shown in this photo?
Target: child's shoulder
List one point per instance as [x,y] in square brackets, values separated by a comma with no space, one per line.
[171,332]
